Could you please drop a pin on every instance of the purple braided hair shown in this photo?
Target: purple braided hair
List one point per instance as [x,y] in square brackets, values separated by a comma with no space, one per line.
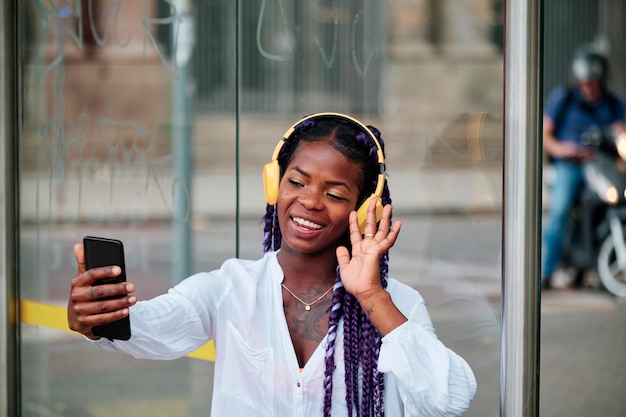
[361,338]
[336,311]
[352,348]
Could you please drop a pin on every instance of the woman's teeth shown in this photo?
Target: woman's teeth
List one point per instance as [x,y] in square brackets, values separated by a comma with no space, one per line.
[306,223]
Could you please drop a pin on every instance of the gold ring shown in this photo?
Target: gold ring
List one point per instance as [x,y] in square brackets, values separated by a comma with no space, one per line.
[368,235]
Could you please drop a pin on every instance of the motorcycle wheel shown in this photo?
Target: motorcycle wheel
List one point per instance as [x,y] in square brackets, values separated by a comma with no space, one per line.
[612,278]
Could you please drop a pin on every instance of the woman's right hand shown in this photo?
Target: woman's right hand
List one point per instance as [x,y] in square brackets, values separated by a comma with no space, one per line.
[85,307]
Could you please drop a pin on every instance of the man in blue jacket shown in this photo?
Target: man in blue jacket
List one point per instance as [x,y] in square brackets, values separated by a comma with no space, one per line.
[569,112]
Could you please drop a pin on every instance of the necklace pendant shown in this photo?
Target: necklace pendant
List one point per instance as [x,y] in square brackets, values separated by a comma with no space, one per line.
[307,307]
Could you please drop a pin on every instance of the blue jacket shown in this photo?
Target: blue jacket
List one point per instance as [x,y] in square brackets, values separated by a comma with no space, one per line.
[572,115]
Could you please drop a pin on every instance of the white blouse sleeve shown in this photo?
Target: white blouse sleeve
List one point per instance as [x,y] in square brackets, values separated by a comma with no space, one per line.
[432,380]
[174,324]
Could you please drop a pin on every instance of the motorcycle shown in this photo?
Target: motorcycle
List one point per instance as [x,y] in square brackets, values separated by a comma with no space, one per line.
[596,240]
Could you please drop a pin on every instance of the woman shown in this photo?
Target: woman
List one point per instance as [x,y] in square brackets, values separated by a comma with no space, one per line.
[315,327]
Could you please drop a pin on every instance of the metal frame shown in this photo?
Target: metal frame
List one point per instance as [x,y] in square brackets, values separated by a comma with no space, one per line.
[521,213]
[9,350]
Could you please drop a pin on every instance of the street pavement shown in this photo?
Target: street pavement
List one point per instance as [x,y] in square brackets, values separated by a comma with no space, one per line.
[582,359]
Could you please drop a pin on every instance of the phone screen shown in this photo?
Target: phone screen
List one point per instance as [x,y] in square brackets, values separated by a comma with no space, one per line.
[100,252]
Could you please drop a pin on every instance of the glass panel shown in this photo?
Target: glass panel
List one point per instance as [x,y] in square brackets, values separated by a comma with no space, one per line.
[430,79]
[428,74]
[109,113]
[108,116]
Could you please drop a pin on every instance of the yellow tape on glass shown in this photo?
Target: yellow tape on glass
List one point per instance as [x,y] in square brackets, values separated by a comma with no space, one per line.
[54,317]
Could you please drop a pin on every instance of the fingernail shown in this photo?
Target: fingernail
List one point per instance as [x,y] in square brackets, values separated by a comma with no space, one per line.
[116,270]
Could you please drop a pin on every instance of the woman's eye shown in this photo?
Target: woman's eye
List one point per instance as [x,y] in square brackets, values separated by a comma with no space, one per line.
[335,197]
[295,182]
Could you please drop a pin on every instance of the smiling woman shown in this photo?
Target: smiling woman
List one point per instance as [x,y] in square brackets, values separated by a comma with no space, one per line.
[348,338]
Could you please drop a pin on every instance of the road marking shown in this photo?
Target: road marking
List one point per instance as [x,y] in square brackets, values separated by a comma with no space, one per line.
[55,317]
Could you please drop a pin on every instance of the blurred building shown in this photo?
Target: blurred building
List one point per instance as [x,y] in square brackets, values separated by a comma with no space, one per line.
[370,58]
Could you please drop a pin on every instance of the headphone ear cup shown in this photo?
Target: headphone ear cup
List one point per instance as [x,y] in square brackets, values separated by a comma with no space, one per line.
[271,180]
[361,212]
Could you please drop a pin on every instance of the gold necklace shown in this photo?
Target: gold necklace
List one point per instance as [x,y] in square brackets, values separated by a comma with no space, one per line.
[307,306]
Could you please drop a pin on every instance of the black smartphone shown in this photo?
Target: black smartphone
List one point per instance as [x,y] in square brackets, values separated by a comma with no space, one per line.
[100,251]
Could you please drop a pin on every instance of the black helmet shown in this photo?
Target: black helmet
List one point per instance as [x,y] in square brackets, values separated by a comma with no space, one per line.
[589,65]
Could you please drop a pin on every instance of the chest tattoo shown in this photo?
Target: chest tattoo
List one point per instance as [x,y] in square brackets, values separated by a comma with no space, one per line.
[310,324]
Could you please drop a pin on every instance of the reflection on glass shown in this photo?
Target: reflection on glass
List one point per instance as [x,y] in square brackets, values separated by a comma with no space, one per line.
[100,130]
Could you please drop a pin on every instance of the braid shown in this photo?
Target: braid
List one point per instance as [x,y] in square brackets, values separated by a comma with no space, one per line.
[271,230]
[336,311]
[351,325]
[368,364]
[277,233]
[268,228]
[379,404]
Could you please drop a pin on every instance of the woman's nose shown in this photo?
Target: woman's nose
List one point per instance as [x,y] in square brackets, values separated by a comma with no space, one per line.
[310,200]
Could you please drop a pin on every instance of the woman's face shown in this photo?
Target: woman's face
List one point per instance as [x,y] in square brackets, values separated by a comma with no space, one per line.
[318,190]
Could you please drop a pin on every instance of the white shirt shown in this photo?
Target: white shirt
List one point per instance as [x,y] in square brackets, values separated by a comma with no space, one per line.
[240,308]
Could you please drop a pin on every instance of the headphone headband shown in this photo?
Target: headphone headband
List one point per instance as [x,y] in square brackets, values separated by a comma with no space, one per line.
[271,171]
[364,128]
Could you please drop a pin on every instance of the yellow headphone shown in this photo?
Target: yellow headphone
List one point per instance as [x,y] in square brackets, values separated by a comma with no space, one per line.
[271,170]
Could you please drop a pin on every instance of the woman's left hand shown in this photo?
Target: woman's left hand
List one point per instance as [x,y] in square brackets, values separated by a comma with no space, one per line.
[360,270]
